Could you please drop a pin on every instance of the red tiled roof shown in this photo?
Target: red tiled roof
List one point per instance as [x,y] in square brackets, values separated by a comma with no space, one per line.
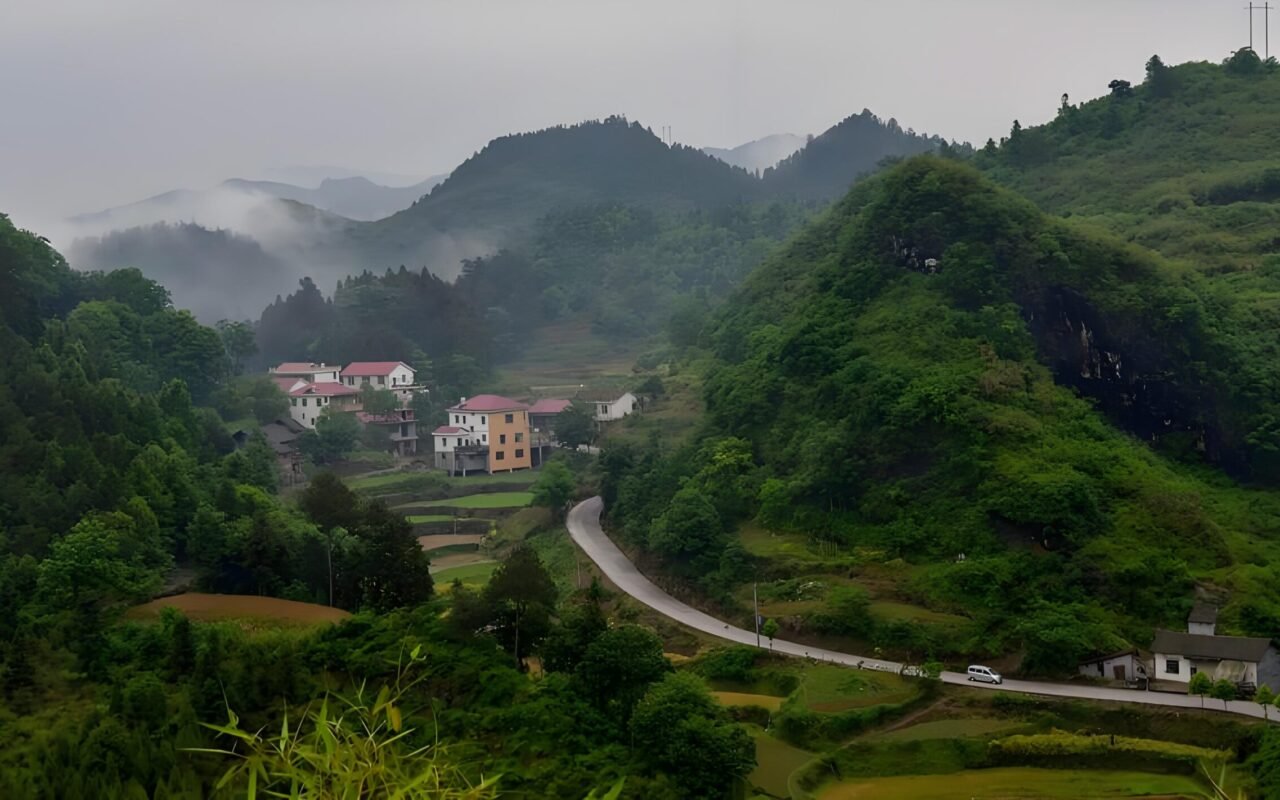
[489,402]
[549,406]
[448,430]
[328,389]
[302,367]
[361,368]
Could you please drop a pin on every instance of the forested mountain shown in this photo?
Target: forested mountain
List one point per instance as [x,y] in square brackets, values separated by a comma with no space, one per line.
[220,274]
[888,382]
[828,165]
[631,269]
[759,154]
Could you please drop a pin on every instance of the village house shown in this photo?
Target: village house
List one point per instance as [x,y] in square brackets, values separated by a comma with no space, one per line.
[1126,666]
[309,400]
[488,433]
[607,406]
[1178,656]
[282,437]
[542,416]
[400,426]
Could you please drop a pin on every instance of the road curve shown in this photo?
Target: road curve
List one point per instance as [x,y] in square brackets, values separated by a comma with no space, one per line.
[584,526]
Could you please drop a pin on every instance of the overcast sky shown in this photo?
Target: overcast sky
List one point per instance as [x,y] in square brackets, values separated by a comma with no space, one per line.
[109,102]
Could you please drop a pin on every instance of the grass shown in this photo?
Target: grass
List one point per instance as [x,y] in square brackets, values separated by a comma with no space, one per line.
[890,611]
[439,540]
[829,688]
[561,357]
[489,500]
[389,479]
[765,701]
[470,575]
[1018,782]
[952,729]
[775,761]
[418,519]
[560,557]
[219,607]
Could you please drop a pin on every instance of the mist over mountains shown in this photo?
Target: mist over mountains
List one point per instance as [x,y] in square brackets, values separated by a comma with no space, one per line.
[223,250]
[759,154]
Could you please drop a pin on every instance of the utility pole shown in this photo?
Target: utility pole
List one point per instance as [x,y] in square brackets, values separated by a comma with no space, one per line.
[1250,26]
[1266,29]
[755,607]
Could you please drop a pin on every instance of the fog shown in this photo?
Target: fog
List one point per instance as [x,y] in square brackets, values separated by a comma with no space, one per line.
[111,102]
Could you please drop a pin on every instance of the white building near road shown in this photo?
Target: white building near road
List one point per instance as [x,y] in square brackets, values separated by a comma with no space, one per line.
[610,406]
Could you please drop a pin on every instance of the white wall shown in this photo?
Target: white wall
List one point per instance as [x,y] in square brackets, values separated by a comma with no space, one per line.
[1184,668]
[1204,628]
[308,413]
[1107,670]
[607,412]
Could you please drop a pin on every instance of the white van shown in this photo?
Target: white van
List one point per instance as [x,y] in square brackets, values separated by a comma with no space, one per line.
[984,674]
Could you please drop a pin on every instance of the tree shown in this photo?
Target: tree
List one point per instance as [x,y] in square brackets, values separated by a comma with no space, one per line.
[1244,61]
[393,570]
[575,425]
[1200,684]
[239,342]
[1120,88]
[521,597]
[618,667]
[770,629]
[378,402]
[1160,80]
[689,532]
[554,488]
[104,560]
[1264,697]
[678,728]
[329,503]
[335,435]
[1223,690]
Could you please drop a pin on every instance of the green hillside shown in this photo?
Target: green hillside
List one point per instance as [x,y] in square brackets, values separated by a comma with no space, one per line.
[900,409]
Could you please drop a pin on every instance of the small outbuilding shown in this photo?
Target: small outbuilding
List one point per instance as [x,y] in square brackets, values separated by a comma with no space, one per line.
[1126,665]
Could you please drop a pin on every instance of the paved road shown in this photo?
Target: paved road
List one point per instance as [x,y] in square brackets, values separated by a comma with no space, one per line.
[584,527]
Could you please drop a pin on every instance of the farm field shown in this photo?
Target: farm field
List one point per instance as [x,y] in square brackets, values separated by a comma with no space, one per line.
[418,519]
[1019,782]
[490,500]
[390,479]
[951,729]
[767,701]
[219,607]
[905,612]
[438,540]
[775,761]
[474,574]
[829,688]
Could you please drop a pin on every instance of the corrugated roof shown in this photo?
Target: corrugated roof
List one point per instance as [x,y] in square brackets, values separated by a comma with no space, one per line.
[358,369]
[1203,613]
[1195,645]
[489,402]
[549,405]
[449,430]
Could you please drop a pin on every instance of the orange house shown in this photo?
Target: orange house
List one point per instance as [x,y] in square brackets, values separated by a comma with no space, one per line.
[509,441]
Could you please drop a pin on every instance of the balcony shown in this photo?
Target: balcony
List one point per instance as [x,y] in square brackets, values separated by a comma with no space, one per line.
[472,450]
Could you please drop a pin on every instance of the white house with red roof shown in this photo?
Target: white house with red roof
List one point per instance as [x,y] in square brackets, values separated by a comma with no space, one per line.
[308,371]
[308,400]
[378,374]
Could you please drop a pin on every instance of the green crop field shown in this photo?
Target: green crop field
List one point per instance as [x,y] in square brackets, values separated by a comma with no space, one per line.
[952,729]
[490,500]
[1019,782]
[391,479]
[904,612]
[827,688]
[775,761]
[469,574]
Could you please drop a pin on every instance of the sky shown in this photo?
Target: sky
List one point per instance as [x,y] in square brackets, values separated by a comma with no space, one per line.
[110,102]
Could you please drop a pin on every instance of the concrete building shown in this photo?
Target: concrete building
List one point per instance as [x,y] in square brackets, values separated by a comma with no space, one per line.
[400,426]
[308,401]
[487,433]
[1178,656]
[378,374]
[308,371]
[607,406]
[1126,665]
[542,416]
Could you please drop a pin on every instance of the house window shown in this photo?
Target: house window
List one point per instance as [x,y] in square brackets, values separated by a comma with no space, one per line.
[511,418]
[382,380]
[519,438]
[482,421]
[604,410]
[484,437]
[1171,666]
[501,456]
[293,401]
[519,454]
[304,402]
[502,438]
[459,441]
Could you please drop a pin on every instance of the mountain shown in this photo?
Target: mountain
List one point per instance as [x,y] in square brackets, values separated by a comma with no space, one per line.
[225,205]
[761,153]
[980,410]
[313,174]
[829,164]
[494,197]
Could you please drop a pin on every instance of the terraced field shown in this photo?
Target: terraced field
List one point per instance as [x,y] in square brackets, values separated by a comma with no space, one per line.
[221,607]
[1019,782]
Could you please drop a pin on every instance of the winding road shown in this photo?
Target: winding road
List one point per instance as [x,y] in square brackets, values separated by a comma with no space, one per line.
[584,526]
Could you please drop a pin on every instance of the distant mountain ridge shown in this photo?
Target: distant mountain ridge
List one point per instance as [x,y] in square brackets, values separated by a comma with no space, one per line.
[761,153]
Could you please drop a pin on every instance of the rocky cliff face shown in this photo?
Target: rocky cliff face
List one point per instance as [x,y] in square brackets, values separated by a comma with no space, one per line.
[1129,373]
